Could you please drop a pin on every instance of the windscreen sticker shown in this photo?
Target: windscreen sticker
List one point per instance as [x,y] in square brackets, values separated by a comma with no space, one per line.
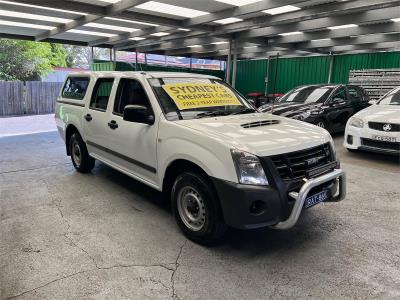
[198,95]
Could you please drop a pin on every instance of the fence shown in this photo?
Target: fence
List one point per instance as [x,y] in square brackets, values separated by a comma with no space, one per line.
[31,97]
[287,73]
[100,65]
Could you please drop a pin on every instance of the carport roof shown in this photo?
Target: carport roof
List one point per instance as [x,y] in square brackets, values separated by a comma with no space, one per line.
[204,28]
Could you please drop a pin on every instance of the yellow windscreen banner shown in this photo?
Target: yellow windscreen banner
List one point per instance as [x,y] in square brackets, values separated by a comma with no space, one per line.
[197,95]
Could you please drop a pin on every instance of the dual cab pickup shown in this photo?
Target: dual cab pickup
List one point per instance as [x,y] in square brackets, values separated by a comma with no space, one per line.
[193,137]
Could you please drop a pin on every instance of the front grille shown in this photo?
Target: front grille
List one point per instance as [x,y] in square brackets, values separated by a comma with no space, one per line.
[294,165]
[260,123]
[380,144]
[384,126]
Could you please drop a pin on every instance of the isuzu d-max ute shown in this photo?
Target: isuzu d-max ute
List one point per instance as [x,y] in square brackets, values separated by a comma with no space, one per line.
[193,137]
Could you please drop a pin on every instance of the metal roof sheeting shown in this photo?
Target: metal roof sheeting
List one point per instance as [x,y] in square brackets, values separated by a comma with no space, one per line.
[108,22]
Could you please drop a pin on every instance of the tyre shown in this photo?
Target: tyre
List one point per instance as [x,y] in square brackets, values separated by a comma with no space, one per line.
[321,123]
[351,150]
[81,160]
[196,209]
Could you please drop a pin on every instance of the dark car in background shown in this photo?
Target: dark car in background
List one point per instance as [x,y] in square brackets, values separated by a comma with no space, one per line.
[325,105]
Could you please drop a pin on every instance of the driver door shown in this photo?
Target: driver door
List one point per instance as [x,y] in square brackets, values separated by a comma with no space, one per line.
[134,144]
[340,109]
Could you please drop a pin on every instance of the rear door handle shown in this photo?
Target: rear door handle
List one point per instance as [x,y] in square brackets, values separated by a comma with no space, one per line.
[113,124]
[88,117]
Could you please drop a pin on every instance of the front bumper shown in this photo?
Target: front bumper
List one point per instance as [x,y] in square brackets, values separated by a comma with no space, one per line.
[236,201]
[353,139]
[309,184]
[248,207]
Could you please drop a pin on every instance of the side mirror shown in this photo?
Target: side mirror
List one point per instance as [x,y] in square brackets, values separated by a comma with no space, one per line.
[138,114]
[337,101]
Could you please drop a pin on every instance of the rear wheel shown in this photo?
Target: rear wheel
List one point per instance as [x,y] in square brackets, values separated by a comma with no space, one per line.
[196,208]
[79,155]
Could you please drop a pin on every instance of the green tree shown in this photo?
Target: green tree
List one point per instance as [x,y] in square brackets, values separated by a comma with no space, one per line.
[27,60]
[80,57]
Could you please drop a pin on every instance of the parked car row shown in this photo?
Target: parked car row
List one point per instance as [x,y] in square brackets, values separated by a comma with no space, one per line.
[327,106]
[346,107]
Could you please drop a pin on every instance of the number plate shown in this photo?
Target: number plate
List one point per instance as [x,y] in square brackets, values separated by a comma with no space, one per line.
[384,138]
[315,199]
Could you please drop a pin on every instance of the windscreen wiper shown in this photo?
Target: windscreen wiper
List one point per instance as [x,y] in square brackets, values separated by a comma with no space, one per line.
[245,110]
[212,114]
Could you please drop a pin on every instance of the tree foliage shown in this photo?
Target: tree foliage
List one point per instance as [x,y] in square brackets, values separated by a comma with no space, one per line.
[80,57]
[27,60]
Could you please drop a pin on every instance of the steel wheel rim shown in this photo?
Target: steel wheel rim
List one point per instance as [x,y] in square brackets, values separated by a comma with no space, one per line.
[321,124]
[76,153]
[191,208]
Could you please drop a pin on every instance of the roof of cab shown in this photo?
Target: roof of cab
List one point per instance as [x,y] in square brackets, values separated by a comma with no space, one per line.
[142,73]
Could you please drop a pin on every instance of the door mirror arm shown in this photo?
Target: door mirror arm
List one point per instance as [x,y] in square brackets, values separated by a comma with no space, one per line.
[138,114]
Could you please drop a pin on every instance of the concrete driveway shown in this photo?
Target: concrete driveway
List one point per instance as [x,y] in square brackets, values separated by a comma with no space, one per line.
[12,126]
[64,235]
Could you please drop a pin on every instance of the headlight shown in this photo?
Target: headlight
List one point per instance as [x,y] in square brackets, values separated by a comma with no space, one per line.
[248,168]
[356,122]
[333,149]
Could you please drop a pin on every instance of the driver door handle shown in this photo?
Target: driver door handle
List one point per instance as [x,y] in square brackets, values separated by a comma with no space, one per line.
[113,124]
[88,117]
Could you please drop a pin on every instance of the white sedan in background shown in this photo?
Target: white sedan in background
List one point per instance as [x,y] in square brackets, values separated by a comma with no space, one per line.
[376,128]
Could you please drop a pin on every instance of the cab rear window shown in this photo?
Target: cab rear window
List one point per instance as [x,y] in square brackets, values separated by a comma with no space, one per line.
[75,88]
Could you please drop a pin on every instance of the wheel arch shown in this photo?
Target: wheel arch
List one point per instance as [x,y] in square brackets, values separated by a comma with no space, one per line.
[177,167]
[325,119]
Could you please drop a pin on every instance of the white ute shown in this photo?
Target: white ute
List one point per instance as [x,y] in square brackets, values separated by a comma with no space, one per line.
[219,161]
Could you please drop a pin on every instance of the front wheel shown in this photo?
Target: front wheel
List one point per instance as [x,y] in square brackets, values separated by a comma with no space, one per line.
[321,123]
[196,209]
[81,160]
